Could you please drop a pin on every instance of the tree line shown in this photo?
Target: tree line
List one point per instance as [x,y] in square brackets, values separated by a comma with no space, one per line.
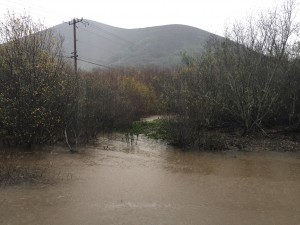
[247,80]
[43,101]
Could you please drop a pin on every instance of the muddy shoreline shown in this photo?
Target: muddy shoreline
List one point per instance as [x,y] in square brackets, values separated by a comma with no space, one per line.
[278,141]
[37,165]
[273,140]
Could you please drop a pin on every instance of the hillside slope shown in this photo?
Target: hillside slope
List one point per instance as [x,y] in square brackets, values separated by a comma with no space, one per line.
[112,46]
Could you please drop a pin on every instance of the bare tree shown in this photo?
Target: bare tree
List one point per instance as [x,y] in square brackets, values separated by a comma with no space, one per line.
[254,60]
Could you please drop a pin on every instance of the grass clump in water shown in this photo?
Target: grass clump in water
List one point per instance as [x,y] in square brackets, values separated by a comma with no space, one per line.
[155,129]
[212,141]
[17,168]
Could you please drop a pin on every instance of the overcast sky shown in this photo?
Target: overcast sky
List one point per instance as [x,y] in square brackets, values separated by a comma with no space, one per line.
[210,15]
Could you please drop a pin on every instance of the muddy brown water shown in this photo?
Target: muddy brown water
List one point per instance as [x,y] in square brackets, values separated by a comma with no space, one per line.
[149,182]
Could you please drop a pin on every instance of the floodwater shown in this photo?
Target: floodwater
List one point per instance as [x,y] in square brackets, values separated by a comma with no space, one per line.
[149,182]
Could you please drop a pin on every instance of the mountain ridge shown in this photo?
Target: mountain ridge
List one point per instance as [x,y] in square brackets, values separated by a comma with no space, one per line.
[138,47]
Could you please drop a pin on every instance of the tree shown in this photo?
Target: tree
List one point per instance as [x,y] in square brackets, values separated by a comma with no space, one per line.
[36,90]
[247,79]
[251,67]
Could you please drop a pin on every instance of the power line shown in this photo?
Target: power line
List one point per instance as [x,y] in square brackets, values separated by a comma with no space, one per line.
[74,22]
[92,59]
[90,62]
[93,63]
[75,55]
[22,6]
[30,5]
[99,35]
[104,48]
[111,34]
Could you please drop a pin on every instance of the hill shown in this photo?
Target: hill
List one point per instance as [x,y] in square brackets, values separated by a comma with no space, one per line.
[112,46]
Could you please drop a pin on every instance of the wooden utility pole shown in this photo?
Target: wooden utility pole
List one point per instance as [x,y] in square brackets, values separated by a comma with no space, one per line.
[74,22]
[75,124]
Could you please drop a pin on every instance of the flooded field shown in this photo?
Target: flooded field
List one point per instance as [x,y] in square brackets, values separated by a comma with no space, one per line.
[148,182]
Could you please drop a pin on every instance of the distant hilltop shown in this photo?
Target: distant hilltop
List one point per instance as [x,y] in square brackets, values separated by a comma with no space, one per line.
[111,46]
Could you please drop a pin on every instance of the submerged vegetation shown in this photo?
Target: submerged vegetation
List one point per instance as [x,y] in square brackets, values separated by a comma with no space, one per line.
[155,129]
[244,83]
[14,169]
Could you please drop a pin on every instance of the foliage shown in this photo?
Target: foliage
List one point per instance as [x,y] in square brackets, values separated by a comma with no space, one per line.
[42,100]
[156,129]
[247,80]
[36,90]
[113,99]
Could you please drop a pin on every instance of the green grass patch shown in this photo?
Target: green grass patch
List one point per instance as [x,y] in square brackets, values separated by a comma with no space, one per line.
[156,129]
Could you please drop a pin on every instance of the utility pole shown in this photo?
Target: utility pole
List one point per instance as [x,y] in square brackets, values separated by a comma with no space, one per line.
[77,110]
[74,22]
